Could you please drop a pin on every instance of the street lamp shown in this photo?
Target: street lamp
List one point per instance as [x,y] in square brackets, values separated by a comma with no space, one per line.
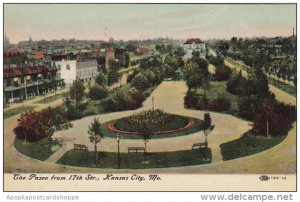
[118,140]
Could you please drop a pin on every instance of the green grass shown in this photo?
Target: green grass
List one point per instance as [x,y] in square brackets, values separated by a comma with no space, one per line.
[51,98]
[247,145]
[37,149]
[218,90]
[291,90]
[197,126]
[16,111]
[96,107]
[136,161]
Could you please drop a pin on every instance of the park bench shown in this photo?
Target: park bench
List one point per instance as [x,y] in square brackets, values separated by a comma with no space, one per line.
[136,149]
[81,147]
[199,145]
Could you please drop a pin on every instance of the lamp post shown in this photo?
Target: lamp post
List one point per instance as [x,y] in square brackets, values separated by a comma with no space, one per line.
[118,141]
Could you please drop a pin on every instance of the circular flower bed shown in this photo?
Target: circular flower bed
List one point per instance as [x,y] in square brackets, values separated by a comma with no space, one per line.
[155,122]
[151,121]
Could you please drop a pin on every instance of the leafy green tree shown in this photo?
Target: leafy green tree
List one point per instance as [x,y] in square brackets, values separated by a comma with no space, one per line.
[207,127]
[98,92]
[95,135]
[101,79]
[141,82]
[77,92]
[196,73]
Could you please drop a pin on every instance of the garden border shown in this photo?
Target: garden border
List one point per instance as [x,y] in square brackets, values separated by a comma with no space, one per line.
[112,128]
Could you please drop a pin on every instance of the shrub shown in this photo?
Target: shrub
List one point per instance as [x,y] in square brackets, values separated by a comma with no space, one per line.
[190,101]
[222,73]
[220,105]
[202,104]
[235,83]
[31,126]
[57,116]
[124,100]
[98,92]
[141,82]
[131,76]
[280,117]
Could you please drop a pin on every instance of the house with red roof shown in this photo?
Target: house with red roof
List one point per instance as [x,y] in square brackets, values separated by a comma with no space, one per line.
[192,45]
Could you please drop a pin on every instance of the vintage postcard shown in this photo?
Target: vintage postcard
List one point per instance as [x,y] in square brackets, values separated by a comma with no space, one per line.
[149,97]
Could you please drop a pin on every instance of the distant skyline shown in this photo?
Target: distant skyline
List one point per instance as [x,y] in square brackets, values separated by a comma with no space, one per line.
[143,21]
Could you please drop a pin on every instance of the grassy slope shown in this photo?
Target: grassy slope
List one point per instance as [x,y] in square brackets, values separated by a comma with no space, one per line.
[136,161]
[248,145]
[37,150]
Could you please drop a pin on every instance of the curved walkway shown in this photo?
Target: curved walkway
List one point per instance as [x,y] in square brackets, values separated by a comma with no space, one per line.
[227,127]
[279,159]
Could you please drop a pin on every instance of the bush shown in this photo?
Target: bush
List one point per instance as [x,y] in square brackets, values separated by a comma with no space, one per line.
[280,117]
[57,116]
[98,92]
[131,76]
[220,105]
[222,73]
[124,100]
[202,104]
[235,83]
[31,126]
[190,101]
[141,82]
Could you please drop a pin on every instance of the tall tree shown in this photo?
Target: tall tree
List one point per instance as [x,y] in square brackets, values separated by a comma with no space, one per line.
[77,92]
[95,135]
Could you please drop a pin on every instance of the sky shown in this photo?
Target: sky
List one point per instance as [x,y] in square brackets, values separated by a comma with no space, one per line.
[143,21]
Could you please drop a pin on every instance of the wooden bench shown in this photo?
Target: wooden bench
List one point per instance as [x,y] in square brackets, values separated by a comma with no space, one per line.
[136,149]
[81,147]
[199,145]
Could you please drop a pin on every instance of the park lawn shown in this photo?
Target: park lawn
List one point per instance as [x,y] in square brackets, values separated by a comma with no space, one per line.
[16,111]
[50,99]
[218,90]
[96,107]
[247,145]
[137,57]
[289,89]
[37,149]
[136,160]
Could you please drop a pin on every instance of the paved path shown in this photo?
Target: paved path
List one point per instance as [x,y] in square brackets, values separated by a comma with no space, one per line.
[279,159]
[226,126]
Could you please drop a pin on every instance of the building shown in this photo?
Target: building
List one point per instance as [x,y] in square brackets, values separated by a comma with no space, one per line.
[86,69]
[109,56]
[194,45]
[143,50]
[66,70]
[121,55]
[38,55]
[231,48]
[23,82]
[71,70]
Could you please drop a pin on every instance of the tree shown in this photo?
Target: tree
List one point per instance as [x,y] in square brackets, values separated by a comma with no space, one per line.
[196,73]
[127,60]
[101,79]
[146,138]
[141,82]
[31,126]
[98,92]
[95,135]
[49,131]
[77,92]
[113,76]
[207,127]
